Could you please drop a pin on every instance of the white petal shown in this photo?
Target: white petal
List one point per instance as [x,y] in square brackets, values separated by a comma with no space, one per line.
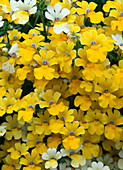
[1,23]
[58,8]
[57,29]
[45,156]
[64,13]
[50,9]
[33,10]
[49,16]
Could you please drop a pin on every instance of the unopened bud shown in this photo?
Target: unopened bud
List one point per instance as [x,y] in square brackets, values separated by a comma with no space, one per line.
[5,50]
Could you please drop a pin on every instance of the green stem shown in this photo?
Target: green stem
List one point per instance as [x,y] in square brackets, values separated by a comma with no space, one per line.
[42,19]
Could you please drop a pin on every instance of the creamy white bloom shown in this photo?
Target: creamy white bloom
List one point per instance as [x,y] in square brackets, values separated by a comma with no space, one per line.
[2,130]
[118,40]
[61,27]
[98,166]
[8,67]
[23,10]
[27,6]
[56,15]
[120,162]
[51,156]
[107,160]
[14,50]
[1,22]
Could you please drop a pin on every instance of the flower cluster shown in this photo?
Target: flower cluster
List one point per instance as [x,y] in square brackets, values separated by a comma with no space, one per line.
[61,85]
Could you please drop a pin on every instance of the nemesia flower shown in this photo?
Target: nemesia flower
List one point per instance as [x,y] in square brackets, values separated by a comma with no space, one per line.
[71,133]
[51,100]
[18,150]
[31,161]
[57,16]
[23,10]
[99,165]
[120,161]
[2,130]
[96,43]
[13,128]
[11,164]
[77,159]
[112,131]
[51,157]
[118,40]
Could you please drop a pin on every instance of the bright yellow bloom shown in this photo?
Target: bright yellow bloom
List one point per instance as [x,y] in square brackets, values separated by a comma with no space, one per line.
[116,13]
[37,142]
[11,164]
[18,150]
[71,135]
[85,100]
[96,44]
[51,100]
[88,10]
[46,60]
[31,160]
[106,87]
[28,108]
[112,131]
[13,128]
[96,122]
[65,55]
[14,35]
[90,147]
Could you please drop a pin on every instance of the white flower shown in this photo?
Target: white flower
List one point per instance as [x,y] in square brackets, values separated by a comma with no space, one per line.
[2,130]
[14,50]
[120,162]
[1,22]
[119,40]
[107,160]
[56,15]
[52,156]
[22,10]
[77,159]
[61,27]
[8,67]
[98,166]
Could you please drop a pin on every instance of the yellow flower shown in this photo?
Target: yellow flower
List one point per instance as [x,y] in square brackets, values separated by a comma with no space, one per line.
[37,142]
[85,100]
[54,140]
[13,128]
[88,10]
[91,70]
[96,122]
[31,160]
[96,44]
[117,14]
[65,55]
[28,108]
[11,164]
[112,131]
[14,35]
[42,123]
[51,100]
[46,60]
[90,147]
[71,134]
[106,87]
[8,104]
[18,150]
